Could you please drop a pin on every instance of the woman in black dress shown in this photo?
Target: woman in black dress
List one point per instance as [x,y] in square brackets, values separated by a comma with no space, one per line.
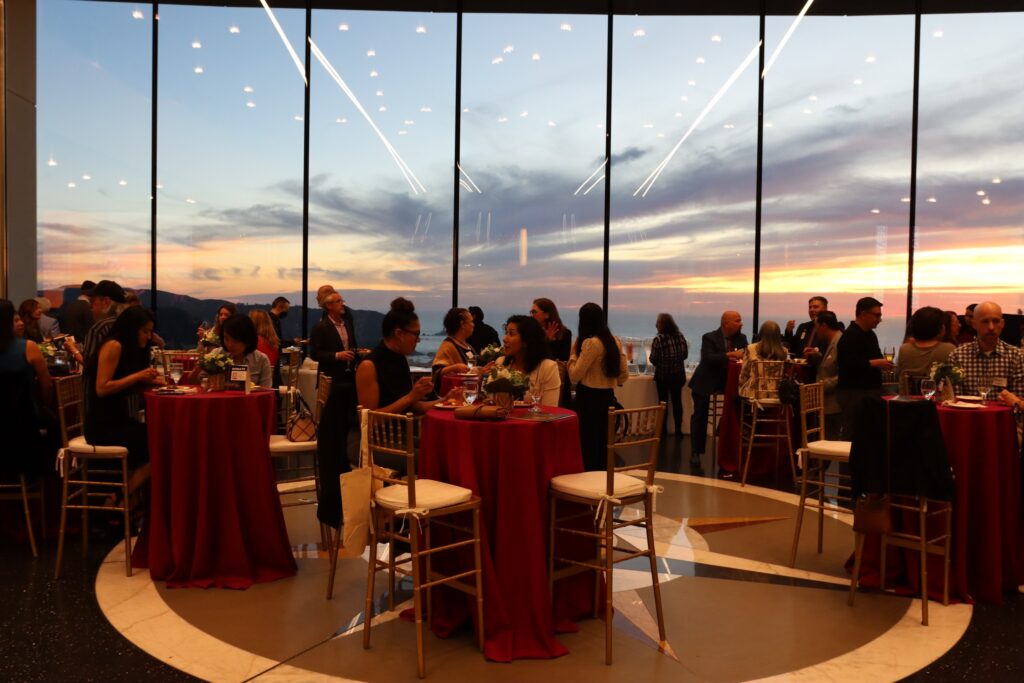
[115,379]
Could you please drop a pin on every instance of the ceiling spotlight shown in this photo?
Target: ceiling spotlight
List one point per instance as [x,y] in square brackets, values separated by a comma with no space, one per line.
[565,26]
[382,108]
[639,33]
[190,201]
[875,211]
[997,180]
[426,109]
[247,88]
[870,59]
[234,29]
[813,98]
[700,60]
[678,114]
[729,126]
[380,93]
[408,122]
[122,183]
[769,125]
[551,124]
[858,81]
[52,161]
[524,114]
[648,125]
[196,44]
[716,38]
[137,14]
[198,69]
[497,60]
[159,186]
[297,117]
[691,82]
[980,193]
[986,201]
[341,120]
[535,56]
[905,200]
[684,98]
[932,200]
[86,177]
[502,119]
[371,53]
[250,104]
[808,111]
[374,74]
[508,49]
[421,29]
[938,34]
[342,27]
[72,185]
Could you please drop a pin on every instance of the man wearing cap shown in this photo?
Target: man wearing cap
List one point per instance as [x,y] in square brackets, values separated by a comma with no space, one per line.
[77,316]
[107,303]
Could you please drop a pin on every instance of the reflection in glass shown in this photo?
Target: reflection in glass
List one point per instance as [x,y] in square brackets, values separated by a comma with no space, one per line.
[93,145]
[229,223]
[686,247]
[533,97]
[838,104]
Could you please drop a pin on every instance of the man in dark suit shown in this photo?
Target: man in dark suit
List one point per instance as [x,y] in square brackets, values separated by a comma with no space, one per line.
[717,348]
[334,348]
[803,341]
[483,334]
[77,316]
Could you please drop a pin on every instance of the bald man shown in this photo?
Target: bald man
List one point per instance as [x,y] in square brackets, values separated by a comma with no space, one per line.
[717,348]
[989,361]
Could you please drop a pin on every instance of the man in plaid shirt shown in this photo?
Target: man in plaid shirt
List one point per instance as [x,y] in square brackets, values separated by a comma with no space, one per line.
[989,358]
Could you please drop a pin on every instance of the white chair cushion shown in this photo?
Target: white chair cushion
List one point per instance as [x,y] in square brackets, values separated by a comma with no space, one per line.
[280,444]
[79,445]
[829,449]
[594,484]
[430,495]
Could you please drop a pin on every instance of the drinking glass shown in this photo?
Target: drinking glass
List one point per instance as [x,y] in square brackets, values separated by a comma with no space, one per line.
[928,388]
[176,372]
[469,392]
[535,396]
[984,383]
[889,354]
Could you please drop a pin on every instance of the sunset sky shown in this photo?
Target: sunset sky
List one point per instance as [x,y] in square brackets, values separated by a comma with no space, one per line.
[836,158]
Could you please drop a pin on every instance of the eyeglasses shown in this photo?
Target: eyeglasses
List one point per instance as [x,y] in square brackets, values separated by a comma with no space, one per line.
[415,333]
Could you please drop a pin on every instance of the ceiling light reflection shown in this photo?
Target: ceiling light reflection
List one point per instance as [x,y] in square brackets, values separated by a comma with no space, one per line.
[639,33]
[234,29]
[564,26]
[508,49]
[986,201]
[371,53]
[716,38]
[997,180]
[248,89]
[196,44]
[137,14]
[198,69]
[341,120]
[342,27]
[122,183]
[250,104]
[72,185]
[52,161]
[938,34]
[86,177]
[421,29]
[535,56]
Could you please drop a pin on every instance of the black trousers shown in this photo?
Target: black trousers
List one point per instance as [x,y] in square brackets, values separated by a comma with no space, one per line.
[339,416]
[699,423]
[672,387]
[592,410]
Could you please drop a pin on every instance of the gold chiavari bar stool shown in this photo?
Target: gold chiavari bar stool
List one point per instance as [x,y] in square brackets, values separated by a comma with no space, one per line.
[86,487]
[816,455]
[417,504]
[601,492]
[764,418]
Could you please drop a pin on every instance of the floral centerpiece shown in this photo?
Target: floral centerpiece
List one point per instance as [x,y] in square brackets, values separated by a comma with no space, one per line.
[216,364]
[211,339]
[48,350]
[505,386]
[947,374]
[492,352]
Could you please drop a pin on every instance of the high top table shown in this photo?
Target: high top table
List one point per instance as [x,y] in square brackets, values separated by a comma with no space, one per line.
[215,517]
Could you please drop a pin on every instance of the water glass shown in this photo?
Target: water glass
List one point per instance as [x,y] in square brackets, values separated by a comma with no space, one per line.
[535,396]
[928,388]
[469,392]
[176,372]
[984,383]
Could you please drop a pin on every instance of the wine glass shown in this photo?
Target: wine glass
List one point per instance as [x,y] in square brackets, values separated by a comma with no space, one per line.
[928,388]
[984,383]
[176,372]
[535,396]
[889,353]
[469,392]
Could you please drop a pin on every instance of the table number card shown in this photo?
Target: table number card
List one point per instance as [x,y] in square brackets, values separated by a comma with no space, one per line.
[238,378]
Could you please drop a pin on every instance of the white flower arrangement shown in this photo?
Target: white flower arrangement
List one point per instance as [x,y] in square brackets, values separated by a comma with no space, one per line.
[491,352]
[503,379]
[215,362]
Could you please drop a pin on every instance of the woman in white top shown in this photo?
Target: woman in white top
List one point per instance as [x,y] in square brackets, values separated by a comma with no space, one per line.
[596,365]
[526,350]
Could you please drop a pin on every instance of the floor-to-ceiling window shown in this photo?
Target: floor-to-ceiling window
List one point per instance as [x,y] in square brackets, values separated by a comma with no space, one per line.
[684,169]
[969,242]
[382,131]
[533,107]
[229,161]
[837,142]
[93,152]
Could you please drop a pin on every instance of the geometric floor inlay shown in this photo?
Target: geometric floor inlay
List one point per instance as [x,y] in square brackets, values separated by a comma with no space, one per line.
[734,610]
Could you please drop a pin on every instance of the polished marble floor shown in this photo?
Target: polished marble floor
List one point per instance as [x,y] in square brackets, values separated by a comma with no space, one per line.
[734,610]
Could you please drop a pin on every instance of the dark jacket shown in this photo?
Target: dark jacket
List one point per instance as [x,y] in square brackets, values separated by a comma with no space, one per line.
[325,341]
[77,319]
[918,462]
[709,377]
[483,336]
[856,348]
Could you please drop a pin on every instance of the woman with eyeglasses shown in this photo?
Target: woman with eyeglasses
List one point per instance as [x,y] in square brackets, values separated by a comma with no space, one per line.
[597,365]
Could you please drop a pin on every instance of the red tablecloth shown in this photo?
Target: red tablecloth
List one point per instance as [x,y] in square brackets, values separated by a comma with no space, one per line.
[763,463]
[988,521]
[509,465]
[215,518]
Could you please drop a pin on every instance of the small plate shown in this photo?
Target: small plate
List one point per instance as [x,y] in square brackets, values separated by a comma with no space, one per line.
[968,406]
[446,406]
[969,398]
